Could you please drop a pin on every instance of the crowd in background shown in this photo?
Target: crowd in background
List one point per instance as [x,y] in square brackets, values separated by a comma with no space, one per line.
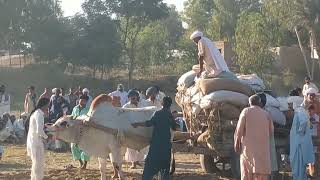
[255,127]
[76,102]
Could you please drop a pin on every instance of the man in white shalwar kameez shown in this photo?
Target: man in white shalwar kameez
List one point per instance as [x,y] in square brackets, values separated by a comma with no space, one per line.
[132,155]
[211,62]
[120,92]
[36,137]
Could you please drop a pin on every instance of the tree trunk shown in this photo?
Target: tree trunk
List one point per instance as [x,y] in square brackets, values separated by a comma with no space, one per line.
[20,60]
[94,71]
[302,51]
[102,71]
[131,68]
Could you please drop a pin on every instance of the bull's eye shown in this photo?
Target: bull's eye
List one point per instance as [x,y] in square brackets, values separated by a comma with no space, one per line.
[64,124]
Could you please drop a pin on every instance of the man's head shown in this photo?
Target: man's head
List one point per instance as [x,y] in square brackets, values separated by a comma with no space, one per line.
[57,91]
[71,90]
[307,80]
[43,104]
[85,91]
[311,110]
[24,115]
[311,94]
[151,93]
[174,114]
[133,97]
[31,89]
[83,100]
[263,99]
[12,118]
[255,100]
[62,91]
[299,91]
[2,88]
[196,36]
[120,88]
[166,102]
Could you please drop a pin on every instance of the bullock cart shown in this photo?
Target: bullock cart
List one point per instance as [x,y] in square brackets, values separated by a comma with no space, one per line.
[212,140]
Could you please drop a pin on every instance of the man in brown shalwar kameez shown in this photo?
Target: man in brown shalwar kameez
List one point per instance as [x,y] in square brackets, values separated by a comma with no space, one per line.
[252,141]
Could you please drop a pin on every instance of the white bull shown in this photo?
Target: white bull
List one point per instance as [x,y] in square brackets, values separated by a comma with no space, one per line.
[105,132]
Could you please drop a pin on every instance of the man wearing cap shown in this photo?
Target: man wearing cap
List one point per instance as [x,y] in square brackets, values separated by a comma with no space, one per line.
[301,147]
[210,59]
[86,92]
[132,155]
[77,153]
[310,99]
[308,84]
[56,105]
[120,92]
[152,100]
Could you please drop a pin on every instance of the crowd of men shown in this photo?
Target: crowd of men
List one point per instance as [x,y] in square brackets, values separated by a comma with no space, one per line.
[255,126]
[76,103]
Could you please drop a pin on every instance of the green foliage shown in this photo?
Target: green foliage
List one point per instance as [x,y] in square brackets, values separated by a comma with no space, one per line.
[198,14]
[253,43]
[223,23]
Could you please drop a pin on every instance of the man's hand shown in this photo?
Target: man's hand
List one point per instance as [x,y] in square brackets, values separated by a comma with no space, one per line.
[237,147]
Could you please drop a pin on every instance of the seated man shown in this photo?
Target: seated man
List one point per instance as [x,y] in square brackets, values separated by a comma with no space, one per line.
[211,62]
[77,153]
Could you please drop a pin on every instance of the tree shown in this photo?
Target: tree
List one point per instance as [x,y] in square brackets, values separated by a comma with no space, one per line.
[224,20]
[301,17]
[93,42]
[44,29]
[198,14]
[133,16]
[253,43]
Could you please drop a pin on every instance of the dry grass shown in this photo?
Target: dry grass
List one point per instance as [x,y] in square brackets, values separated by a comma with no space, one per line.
[16,165]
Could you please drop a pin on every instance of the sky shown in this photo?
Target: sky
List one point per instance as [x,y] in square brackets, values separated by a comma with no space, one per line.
[71,7]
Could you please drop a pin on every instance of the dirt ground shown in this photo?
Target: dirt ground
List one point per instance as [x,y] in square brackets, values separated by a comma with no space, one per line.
[15,165]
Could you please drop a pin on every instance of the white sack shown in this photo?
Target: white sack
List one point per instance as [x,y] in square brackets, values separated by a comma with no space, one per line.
[231,97]
[283,103]
[187,79]
[196,109]
[253,81]
[271,101]
[276,115]
[205,103]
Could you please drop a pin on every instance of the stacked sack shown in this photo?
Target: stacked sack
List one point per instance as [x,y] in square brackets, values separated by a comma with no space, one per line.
[194,96]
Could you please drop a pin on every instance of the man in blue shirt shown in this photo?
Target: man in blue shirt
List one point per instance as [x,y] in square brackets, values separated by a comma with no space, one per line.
[159,156]
[57,103]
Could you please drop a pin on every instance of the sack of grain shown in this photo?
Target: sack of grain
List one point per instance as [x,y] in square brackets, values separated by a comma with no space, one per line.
[276,115]
[211,85]
[283,103]
[196,109]
[271,101]
[253,81]
[231,97]
[187,79]
[229,111]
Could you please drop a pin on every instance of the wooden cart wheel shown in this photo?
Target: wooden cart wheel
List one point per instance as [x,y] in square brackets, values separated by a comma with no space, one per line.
[208,164]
